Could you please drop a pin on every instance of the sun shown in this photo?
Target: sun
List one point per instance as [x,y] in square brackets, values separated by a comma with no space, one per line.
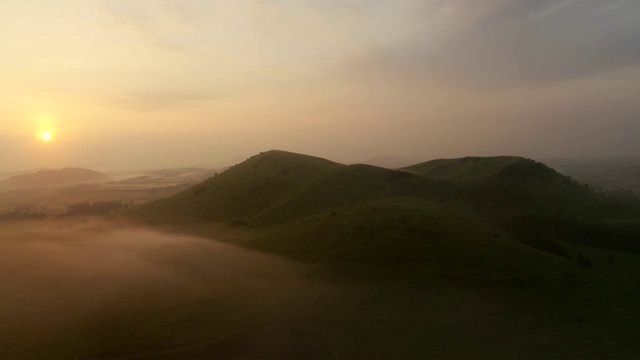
[46,136]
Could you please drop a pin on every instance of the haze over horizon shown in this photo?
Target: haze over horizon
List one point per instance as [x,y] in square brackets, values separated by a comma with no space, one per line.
[147,84]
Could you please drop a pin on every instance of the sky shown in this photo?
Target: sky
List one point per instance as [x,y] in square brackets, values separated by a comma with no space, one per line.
[121,84]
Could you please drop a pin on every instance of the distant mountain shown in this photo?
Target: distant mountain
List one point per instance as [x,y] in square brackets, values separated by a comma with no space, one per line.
[182,172]
[144,179]
[7,175]
[52,178]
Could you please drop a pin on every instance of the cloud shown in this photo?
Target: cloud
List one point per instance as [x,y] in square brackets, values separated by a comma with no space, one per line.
[263,31]
[167,24]
[497,44]
[158,100]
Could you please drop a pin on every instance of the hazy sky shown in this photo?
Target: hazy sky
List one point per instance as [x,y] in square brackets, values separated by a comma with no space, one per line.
[154,83]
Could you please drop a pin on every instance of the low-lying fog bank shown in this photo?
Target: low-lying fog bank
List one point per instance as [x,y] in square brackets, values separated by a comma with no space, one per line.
[97,290]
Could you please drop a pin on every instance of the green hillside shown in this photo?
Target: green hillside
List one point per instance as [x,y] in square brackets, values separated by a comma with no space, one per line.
[501,188]
[244,190]
[346,186]
[370,220]
[408,237]
[464,168]
[536,204]
[279,186]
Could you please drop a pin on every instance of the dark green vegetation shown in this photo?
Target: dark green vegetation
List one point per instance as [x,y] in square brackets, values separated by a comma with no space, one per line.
[493,219]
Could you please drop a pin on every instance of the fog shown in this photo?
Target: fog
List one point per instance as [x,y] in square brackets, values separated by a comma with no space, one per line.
[95,290]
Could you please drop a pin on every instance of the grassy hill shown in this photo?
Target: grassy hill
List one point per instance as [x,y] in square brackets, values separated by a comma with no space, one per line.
[465,168]
[499,219]
[501,188]
[279,186]
[368,219]
[535,203]
[244,190]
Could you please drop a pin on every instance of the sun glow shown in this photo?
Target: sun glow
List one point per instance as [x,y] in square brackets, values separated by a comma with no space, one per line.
[45,126]
[45,136]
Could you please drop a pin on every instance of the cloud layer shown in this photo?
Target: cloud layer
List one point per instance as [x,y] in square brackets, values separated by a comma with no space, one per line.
[495,44]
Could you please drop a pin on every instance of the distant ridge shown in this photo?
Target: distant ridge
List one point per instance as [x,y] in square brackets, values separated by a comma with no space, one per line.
[49,178]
